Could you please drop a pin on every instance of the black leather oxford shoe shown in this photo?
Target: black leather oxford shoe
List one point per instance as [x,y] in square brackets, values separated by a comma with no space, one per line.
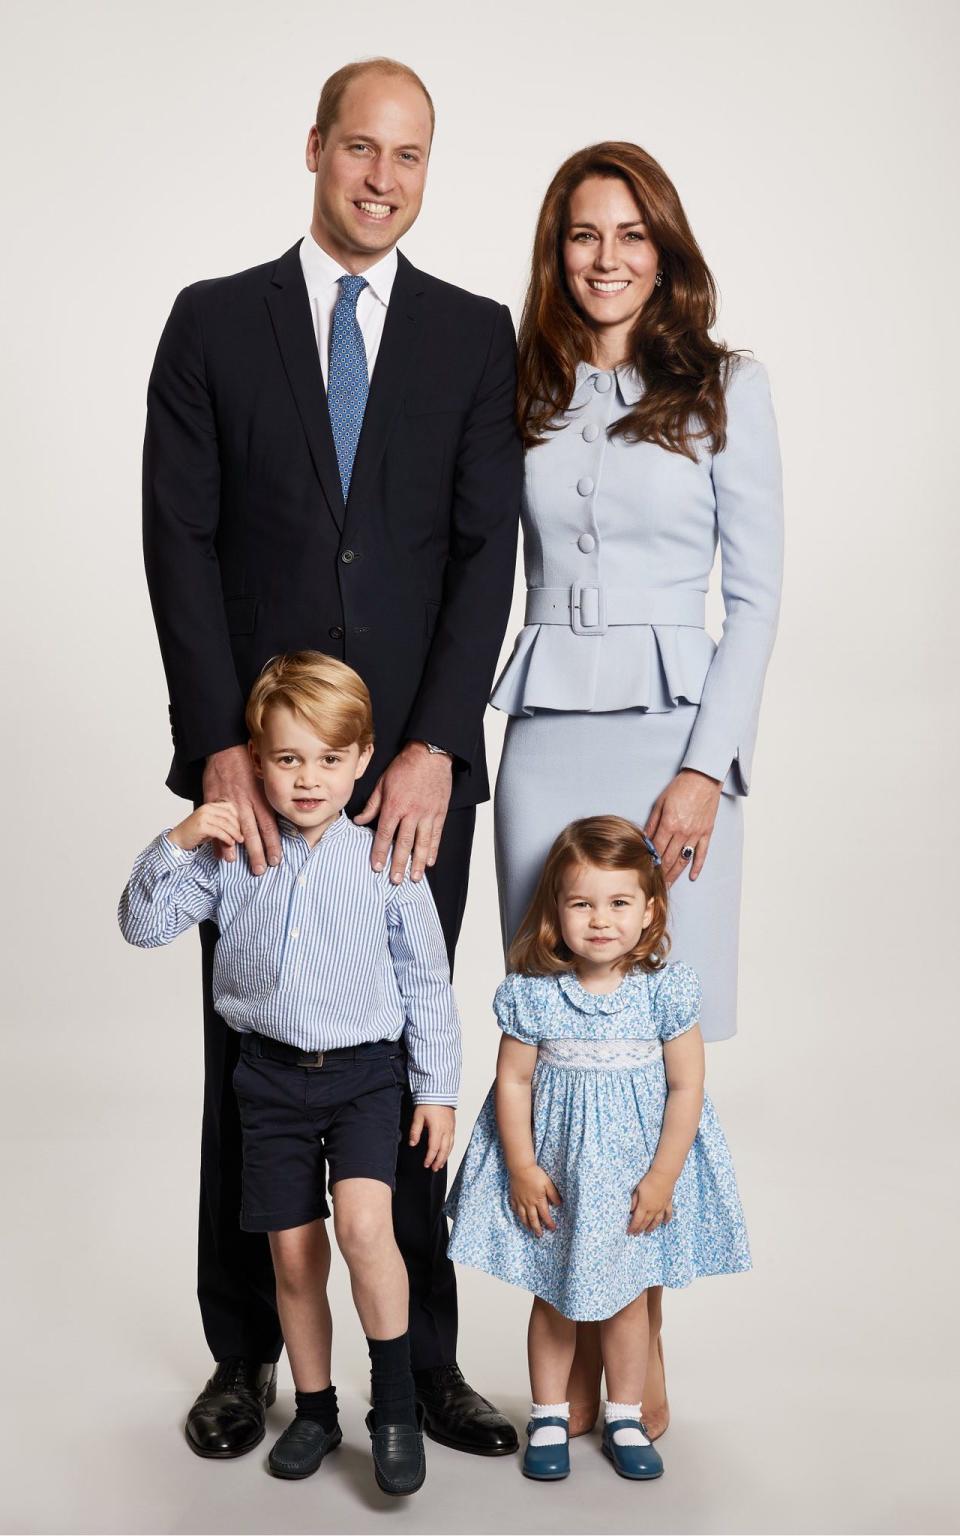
[457,1416]
[301,1448]
[399,1464]
[228,1418]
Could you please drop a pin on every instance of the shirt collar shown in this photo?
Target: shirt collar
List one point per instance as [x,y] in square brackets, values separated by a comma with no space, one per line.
[321,272]
[290,829]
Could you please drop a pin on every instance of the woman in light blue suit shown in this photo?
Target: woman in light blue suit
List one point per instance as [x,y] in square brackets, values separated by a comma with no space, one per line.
[647,444]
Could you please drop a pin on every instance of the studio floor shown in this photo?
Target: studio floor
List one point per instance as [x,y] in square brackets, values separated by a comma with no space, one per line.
[802,1401]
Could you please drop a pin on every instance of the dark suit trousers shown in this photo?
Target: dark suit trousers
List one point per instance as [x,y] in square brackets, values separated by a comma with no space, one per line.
[234,1274]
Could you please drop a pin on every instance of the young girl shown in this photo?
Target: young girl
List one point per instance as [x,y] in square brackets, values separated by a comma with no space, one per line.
[597,1167]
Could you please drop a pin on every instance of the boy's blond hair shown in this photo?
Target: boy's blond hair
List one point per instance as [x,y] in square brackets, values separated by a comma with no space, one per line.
[325,693]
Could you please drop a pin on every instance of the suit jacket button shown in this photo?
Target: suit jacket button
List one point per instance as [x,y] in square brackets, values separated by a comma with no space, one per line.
[336,633]
[347,556]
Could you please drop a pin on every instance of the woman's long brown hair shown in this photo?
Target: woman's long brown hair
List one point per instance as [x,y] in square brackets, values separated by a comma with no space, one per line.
[682,367]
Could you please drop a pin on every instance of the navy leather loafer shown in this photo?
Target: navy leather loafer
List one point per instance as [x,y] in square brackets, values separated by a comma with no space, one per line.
[639,1462]
[547,1463]
[399,1464]
[301,1448]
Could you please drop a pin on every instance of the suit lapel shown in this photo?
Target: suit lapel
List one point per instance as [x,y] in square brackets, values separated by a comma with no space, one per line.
[293,326]
[394,358]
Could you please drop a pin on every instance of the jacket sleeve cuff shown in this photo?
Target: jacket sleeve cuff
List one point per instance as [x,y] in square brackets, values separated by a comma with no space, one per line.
[705,762]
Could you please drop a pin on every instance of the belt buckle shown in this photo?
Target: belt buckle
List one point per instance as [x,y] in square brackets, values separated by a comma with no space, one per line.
[313,1066]
[577,621]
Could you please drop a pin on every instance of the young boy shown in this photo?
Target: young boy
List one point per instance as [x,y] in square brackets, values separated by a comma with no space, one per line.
[321,965]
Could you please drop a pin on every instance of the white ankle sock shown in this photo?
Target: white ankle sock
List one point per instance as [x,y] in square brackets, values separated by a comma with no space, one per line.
[614,1411]
[550,1434]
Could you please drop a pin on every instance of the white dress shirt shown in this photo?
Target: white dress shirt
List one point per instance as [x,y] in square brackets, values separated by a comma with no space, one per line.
[321,275]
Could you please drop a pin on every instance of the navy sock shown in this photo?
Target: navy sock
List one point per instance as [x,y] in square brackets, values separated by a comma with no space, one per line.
[321,1407]
[391,1382]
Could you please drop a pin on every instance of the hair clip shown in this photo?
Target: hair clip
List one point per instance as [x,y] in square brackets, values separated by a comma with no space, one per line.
[651,849]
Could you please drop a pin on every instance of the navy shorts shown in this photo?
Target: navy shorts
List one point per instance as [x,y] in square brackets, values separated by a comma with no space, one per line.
[305,1127]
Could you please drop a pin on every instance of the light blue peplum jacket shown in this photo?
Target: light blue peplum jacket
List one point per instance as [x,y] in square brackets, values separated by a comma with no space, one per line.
[619,542]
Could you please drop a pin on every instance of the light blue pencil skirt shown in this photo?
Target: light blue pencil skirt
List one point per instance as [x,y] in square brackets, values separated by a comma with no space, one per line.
[558,766]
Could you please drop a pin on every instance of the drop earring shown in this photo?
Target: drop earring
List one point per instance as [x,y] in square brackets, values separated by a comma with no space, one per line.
[658,280]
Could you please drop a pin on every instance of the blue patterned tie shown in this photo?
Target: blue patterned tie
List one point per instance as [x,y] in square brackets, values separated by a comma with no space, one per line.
[348,383]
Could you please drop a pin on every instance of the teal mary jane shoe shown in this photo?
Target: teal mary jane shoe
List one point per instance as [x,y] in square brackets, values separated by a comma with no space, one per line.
[547,1463]
[640,1462]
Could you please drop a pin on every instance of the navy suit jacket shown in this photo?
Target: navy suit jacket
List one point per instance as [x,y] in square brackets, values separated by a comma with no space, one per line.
[250,550]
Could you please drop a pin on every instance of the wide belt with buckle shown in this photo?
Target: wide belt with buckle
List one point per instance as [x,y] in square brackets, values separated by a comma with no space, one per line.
[593,610]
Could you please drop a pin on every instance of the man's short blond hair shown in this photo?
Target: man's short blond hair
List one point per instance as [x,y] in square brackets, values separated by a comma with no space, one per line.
[327,694]
[331,96]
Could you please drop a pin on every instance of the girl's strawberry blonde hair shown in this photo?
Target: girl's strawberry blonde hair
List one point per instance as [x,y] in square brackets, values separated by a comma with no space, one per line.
[610,842]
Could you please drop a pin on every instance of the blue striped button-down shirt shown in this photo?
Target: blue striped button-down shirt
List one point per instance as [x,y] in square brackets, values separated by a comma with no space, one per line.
[319,951]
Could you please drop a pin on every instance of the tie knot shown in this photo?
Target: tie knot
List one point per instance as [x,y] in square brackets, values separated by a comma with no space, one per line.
[351,288]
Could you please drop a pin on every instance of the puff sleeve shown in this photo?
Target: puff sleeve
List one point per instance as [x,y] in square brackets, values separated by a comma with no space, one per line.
[676,1001]
[513,1016]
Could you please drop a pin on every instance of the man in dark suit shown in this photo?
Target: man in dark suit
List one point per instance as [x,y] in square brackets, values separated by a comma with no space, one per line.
[331,462]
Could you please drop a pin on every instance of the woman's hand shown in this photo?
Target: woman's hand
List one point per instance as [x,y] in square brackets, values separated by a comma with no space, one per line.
[216,820]
[532,1192]
[651,1203]
[684,815]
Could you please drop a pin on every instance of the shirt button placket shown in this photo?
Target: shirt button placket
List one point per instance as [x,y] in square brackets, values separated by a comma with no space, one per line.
[292,925]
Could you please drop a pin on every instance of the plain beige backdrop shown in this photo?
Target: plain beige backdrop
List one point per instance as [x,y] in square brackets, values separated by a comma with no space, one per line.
[145,145]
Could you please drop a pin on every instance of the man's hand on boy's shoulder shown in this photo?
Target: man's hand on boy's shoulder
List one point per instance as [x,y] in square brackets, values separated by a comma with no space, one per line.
[410,800]
[229,775]
[214,821]
[439,1121]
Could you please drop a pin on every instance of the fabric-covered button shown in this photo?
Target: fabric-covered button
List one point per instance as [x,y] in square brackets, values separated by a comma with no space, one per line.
[586,543]
[603,383]
[591,432]
[585,486]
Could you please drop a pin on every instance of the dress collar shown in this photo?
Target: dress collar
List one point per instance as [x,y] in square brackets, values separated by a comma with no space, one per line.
[597,1002]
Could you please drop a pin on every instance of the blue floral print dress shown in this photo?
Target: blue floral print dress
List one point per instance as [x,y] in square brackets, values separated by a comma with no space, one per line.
[599,1090]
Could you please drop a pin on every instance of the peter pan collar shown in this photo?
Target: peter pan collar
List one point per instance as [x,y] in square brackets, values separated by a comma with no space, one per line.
[597,1002]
